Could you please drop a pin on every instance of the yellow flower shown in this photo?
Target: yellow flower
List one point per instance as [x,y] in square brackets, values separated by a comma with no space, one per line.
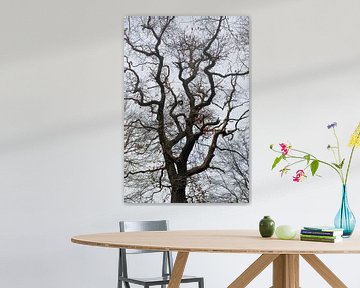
[355,137]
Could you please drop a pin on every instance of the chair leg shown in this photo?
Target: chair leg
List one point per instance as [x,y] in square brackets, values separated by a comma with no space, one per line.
[126,284]
[201,283]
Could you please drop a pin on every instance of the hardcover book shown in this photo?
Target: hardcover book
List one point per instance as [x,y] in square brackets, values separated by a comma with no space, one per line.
[320,237]
[325,240]
[323,228]
[321,233]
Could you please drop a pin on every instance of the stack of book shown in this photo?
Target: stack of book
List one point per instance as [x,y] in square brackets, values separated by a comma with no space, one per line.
[321,234]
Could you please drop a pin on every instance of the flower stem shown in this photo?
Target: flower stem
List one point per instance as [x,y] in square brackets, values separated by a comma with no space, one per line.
[339,156]
[312,159]
[320,161]
[304,152]
[348,167]
[337,146]
[333,152]
[296,162]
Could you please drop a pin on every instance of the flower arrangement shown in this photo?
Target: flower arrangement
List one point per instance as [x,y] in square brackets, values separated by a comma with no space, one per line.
[296,157]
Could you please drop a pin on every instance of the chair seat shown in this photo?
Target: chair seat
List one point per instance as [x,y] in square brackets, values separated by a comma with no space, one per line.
[158,280]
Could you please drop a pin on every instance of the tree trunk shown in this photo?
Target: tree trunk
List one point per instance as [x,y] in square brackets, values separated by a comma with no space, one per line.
[178,187]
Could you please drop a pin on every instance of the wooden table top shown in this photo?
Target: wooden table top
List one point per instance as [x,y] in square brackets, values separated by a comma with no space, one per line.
[217,241]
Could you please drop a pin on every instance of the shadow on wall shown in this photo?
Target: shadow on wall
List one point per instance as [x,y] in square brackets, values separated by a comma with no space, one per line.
[85,23]
[115,121]
[68,24]
[55,134]
[309,75]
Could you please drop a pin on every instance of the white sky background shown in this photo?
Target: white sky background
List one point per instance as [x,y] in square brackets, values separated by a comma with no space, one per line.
[185,23]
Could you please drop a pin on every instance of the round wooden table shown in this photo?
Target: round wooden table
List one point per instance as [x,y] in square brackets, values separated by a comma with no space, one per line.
[284,254]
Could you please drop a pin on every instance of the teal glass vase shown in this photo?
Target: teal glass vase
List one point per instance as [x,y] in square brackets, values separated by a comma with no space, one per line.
[345,219]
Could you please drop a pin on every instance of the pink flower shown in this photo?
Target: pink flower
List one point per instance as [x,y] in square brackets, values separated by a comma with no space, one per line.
[284,148]
[300,174]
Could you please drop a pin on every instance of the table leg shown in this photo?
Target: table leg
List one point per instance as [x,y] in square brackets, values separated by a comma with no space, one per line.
[324,271]
[178,269]
[253,270]
[286,271]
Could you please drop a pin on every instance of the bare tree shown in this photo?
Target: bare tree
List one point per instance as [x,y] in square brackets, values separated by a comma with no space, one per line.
[186,107]
[232,182]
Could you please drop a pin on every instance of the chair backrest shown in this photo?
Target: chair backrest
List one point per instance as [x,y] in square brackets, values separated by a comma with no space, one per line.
[134,226]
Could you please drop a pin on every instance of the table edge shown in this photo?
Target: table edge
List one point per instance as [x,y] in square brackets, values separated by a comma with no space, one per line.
[206,250]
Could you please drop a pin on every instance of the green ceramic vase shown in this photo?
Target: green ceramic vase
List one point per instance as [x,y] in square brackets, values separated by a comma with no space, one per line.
[266,227]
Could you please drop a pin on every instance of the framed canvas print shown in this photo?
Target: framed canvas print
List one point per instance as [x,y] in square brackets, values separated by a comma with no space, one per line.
[186,99]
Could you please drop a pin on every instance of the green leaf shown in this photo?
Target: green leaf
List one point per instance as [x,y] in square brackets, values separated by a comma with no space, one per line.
[339,166]
[314,166]
[336,165]
[342,163]
[307,157]
[284,170]
[276,161]
[271,146]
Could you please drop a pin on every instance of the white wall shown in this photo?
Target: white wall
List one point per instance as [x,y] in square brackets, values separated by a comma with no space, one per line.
[61,133]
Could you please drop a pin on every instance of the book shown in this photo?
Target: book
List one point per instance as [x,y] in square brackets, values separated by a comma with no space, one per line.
[320,237]
[325,240]
[323,228]
[321,233]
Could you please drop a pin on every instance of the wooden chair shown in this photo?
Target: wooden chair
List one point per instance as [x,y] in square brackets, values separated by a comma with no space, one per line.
[167,262]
